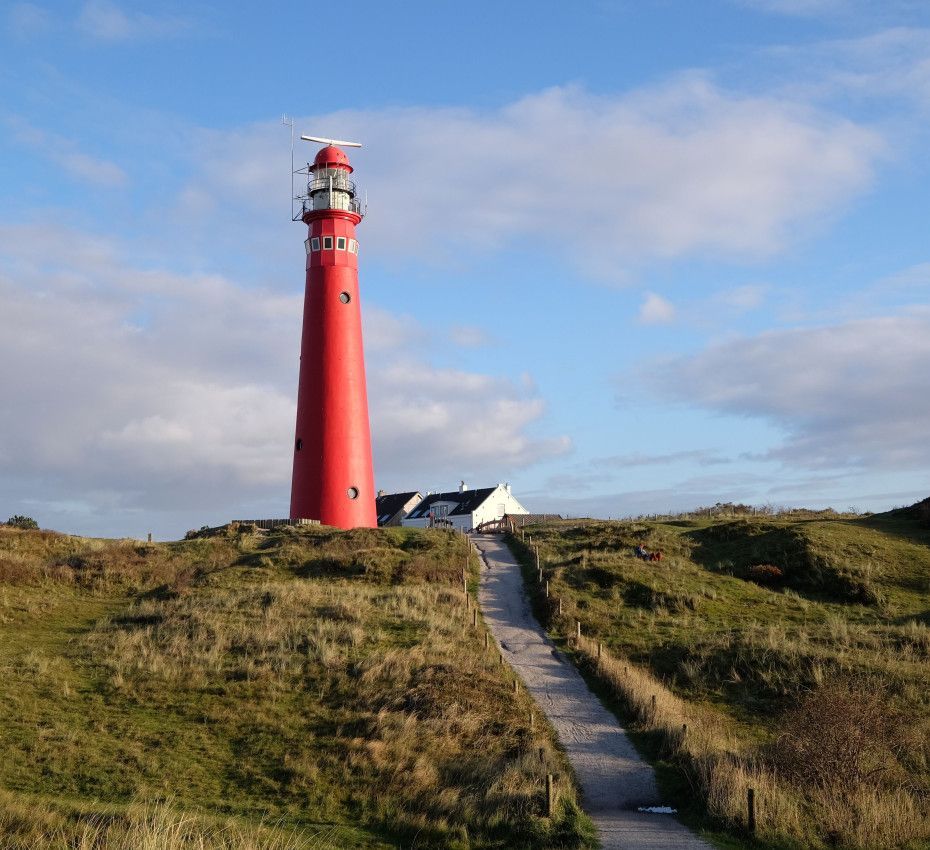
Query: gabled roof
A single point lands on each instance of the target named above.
(465, 502)
(387, 506)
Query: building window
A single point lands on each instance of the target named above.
(352, 492)
(327, 243)
(353, 246)
(315, 243)
(307, 245)
(340, 243)
(344, 297)
(299, 444)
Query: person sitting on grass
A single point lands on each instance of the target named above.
(641, 552)
(655, 556)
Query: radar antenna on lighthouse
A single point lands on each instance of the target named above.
(337, 142)
(332, 481)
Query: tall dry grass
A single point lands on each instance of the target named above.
(430, 723)
(30, 825)
(855, 815)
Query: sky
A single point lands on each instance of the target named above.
(631, 256)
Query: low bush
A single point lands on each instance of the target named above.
(24, 522)
(765, 573)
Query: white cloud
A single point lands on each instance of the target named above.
(667, 171)
(469, 336)
(64, 152)
(804, 8)
(888, 66)
(855, 395)
(106, 21)
(140, 392)
(656, 310)
(743, 298)
(445, 423)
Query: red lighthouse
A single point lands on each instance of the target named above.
(332, 480)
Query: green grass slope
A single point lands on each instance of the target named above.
(287, 689)
(800, 643)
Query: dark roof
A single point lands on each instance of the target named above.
(388, 505)
(465, 502)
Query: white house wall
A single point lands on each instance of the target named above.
(498, 503)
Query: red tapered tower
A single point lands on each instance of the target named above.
(333, 480)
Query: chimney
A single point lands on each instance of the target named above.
(380, 493)
(507, 486)
(462, 487)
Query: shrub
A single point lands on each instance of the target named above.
(844, 731)
(765, 573)
(19, 521)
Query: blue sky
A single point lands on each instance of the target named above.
(629, 256)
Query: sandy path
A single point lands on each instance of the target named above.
(614, 779)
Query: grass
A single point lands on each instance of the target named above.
(245, 689)
(809, 683)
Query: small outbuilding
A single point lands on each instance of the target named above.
(391, 508)
(464, 509)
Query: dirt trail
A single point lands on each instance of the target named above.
(614, 779)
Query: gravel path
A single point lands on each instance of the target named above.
(614, 779)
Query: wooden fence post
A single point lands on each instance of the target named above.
(474, 618)
(516, 685)
(578, 629)
(486, 640)
(599, 650)
(560, 606)
(547, 590)
(550, 795)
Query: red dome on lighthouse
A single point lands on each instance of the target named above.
(331, 157)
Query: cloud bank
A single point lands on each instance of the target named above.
(607, 181)
(141, 398)
(852, 396)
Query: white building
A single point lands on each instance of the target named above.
(464, 509)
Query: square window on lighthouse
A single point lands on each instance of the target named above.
(315, 243)
(340, 243)
(327, 243)
(353, 246)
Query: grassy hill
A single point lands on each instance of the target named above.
(247, 689)
(796, 648)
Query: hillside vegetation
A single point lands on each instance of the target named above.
(247, 689)
(788, 654)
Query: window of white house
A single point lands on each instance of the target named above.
(341, 243)
(327, 243)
